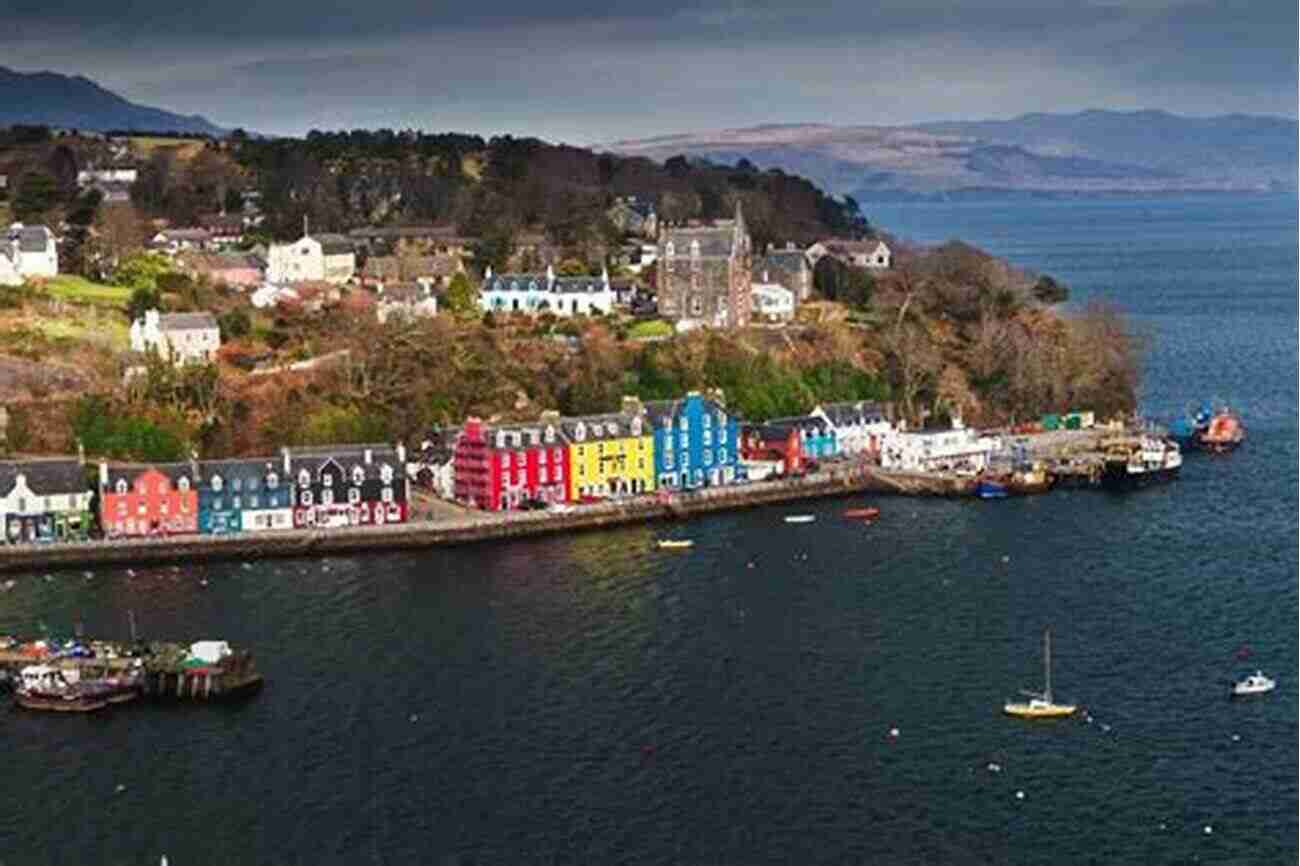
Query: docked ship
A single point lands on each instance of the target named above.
(47, 687)
(1141, 462)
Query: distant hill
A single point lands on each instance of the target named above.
(51, 99)
(1092, 151)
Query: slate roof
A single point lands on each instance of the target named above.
(538, 283)
(790, 260)
(46, 477)
(128, 472)
(347, 457)
(389, 267)
(334, 245)
(851, 412)
(186, 322)
(578, 285)
(715, 241)
(403, 293)
(611, 425)
(248, 467)
(187, 234)
(221, 261)
(800, 422)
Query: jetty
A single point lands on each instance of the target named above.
(170, 669)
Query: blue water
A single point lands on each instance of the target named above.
(592, 699)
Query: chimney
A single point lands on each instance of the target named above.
(789, 245)
(103, 476)
(770, 246)
(284, 460)
(401, 453)
(370, 456)
(81, 453)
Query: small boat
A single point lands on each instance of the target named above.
(799, 518)
(1255, 684)
(991, 488)
(1138, 464)
(675, 544)
(1222, 434)
(1029, 479)
(42, 687)
(869, 513)
(1041, 705)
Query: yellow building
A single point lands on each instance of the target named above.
(610, 454)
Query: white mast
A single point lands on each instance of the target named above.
(1047, 664)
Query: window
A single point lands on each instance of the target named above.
(708, 437)
(235, 502)
(236, 485)
(354, 495)
(306, 497)
(386, 473)
(253, 483)
(708, 458)
(722, 455)
(358, 475)
(273, 481)
(254, 502)
(387, 494)
(183, 485)
(668, 444)
(215, 483)
(121, 487)
(684, 441)
(327, 480)
(722, 434)
(304, 478)
(218, 504)
(550, 434)
(327, 497)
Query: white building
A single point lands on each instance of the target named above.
(121, 174)
(546, 293)
(861, 428)
(328, 258)
(959, 450)
(772, 302)
(33, 251)
(871, 254)
(406, 299)
(181, 337)
(172, 241)
(268, 295)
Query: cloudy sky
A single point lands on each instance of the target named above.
(586, 71)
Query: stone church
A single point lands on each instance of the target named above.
(705, 274)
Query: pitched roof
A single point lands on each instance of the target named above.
(128, 472)
(334, 244)
(715, 241)
(243, 467)
(390, 267)
(852, 412)
(611, 425)
(786, 259)
(220, 261)
(187, 234)
(346, 457)
(186, 322)
(403, 293)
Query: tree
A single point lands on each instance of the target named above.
(233, 202)
(37, 195)
(142, 300)
(461, 298)
(140, 270)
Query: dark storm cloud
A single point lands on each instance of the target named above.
(583, 70)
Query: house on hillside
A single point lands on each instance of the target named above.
(414, 240)
(331, 258)
(436, 269)
(173, 241)
(267, 296)
(112, 192)
(870, 254)
(772, 302)
(124, 173)
(788, 266)
(179, 337)
(237, 270)
(546, 293)
(45, 499)
(226, 229)
(634, 216)
(33, 251)
(959, 450)
(860, 426)
(705, 274)
(407, 300)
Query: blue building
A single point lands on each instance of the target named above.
(244, 495)
(819, 436)
(696, 441)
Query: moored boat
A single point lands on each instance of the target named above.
(992, 488)
(1040, 704)
(675, 544)
(44, 687)
(1029, 479)
(1148, 460)
(799, 518)
(869, 513)
(1222, 434)
(1255, 684)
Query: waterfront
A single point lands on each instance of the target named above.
(492, 704)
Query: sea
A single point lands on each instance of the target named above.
(818, 693)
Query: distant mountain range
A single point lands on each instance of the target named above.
(51, 99)
(1092, 151)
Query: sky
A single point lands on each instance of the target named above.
(592, 71)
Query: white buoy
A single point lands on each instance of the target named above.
(994, 767)
(1236, 738)
(1020, 795)
(1162, 825)
(893, 732)
(1208, 829)
(415, 717)
(163, 861)
(1006, 558)
(203, 582)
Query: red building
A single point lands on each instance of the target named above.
(774, 442)
(147, 500)
(499, 467)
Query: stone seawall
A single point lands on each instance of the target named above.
(839, 480)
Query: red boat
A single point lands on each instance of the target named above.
(862, 513)
(1224, 433)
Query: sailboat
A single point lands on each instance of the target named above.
(1041, 706)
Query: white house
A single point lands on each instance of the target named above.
(119, 174)
(860, 427)
(182, 337)
(871, 254)
(406, 299)
(330, 258)
(547, 293)
(43, 500)
(33, 250)
(958, 450)
(772, 302)
(172, 241)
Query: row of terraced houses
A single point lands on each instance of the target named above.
(659, 445)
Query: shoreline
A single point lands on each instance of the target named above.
(834, 481)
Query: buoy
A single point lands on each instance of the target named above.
(203, 582)
(994, 767)
(1208, 829)
(415, 717)
(1105, 727)
(1020, 795)
(893, 732)
(1236, 738)
(1162, 825)
(130, 572)
(121, 788)
(1006, 558)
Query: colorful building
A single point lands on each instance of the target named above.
(348, 485)
(772, 443)
(818, 435)
(144, 499)
(696, 443)
(244, 495)
(609, 455)
(499, 467)
(44, 500)
(860, 427)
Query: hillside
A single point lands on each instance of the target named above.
(1092, 151)
(51, 99)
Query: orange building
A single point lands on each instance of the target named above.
(156, 499)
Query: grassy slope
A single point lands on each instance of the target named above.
(81, 290)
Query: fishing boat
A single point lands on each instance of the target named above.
(1222, 434)
(1030, 478)
(1133, 464)
(799, 518)
(675, 543)
(42, 687)
(1255, 684)
(869, 513)
(1040, 705)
